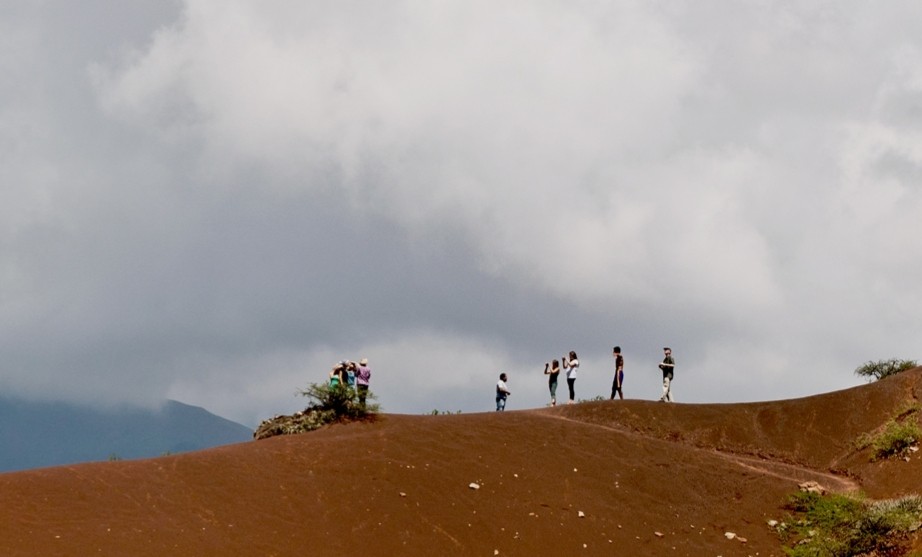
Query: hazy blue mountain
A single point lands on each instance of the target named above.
(39, 434)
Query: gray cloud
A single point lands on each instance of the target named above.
(214, 201)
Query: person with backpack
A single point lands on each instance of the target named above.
(619, 374)
(502, 392)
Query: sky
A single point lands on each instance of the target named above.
(214, 201)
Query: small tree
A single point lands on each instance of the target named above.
(884, 368)
(327, 405)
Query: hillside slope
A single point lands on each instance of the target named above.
(608, 478)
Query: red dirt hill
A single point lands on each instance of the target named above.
(606, 478)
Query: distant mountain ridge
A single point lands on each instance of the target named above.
(41, 434)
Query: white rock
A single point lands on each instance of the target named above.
(729, 535)
(581, 514)
(474, 486)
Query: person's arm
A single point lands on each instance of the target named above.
(546, 366)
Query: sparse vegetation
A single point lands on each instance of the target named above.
(437, 412)
(327, 405)
(843, 525)
(896, 439)
(884, 368)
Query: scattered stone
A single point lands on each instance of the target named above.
(658, 534)
(773, 523)
(741, 539)
(729, 535)
(812, 487)
(474, 485)
(581, 514)
(402, 494)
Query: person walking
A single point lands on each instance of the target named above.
(619, 374)
(571, 366)
(552, 370)
(668, 367)
(502, 392)
(362, 379)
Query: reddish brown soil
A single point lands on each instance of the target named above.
(606, 478)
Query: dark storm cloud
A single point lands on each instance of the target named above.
(215, 201)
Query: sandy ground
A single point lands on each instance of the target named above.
(605, 478)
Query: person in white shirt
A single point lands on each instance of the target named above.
(571, 367)
(501, 393)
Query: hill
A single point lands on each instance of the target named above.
(605, 478)
(40, 434)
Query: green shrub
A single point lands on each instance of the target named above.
(896, 439)
(327, 405)
(884, 368)
(843, 526)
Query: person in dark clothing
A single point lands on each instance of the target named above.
(619, 374)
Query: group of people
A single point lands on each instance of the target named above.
(355, 376)
(570, 365)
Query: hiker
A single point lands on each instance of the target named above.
(668, 367)
(350, 375)
(501, 393)
(337, 373)
(619, 374)
(362, 377)
(572, 366)
(552, 370)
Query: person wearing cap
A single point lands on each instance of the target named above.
(362, 377)
(337, 374)
(668, 367)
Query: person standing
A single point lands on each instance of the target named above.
(668, 367)
(501, 393)
(337, 374)
(552, 370)
(619, 374)
(362, 378)
(572, 366)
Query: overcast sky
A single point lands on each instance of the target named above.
(215, 200)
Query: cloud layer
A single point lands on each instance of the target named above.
(214, 201)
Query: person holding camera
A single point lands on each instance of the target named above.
(571, 366)
(552, 370)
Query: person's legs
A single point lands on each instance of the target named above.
(552, 385)
(363, 393)
(500, 404)
(667, 391)
(571, 384)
